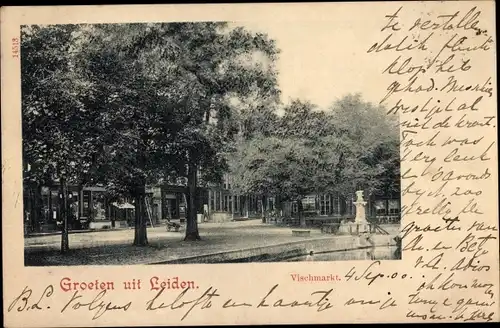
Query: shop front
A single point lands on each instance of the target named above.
(90, 208)
(95, 209)
(43, 211)
(174, 201)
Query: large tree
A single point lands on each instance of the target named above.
(57, 129)
(278, 159)
(219, 63)
(165, 92)
(142, 101)
(367, 144)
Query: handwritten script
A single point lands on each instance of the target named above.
(187, 301)
(443, 98)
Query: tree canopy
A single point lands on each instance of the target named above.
(350, 146)
(57, 129)
(134, 104)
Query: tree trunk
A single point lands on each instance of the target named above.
(140, 236)
(300, 208)
(192, 202)
(64, 214)
(112, 216)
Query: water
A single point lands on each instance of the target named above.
(371, 254)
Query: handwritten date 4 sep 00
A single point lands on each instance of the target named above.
(369, 274)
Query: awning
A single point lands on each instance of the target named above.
(123, 206)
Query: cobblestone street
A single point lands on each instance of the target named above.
(115, 247)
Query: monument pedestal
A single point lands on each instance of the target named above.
(360, 224)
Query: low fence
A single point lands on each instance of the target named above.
(319, 221)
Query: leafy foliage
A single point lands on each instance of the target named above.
(351, 146)
(136, 104)
(57, 132)
(370, 146)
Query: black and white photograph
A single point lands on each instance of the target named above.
(249, 164)
(203, 142)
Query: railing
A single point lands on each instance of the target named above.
(378, 229)
(319, 221)
(385, 219)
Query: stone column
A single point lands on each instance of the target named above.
(361, 223)
(360, 207)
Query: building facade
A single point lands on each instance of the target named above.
(90, 208)
(227, 204)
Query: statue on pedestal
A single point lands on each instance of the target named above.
(360, 208)
(360, 224)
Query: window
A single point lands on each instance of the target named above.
(212, 200)
(226, 182)
(325, 204)
(74, 204)
(98, 206)
(336, 205)
(236, 204)
(271, 204)
(217, 201)
(393, 207)
(309, 203)
(251, 203)
(295, 207)
(380, 207)
(226, 203)
(86, 203)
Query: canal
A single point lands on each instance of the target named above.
(372, 254)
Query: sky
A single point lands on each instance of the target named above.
(321, 61)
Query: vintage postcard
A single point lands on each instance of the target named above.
(221, 164)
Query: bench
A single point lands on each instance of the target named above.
(100, 225)
(173, 226)
(301, 232)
